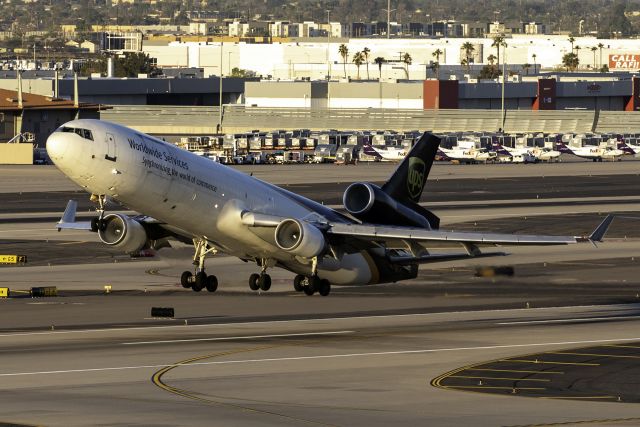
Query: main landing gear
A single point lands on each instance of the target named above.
(260, 281)
(200, 280)
(311, 285)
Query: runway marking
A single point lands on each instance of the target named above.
(337, 356)
(540, 362)
(248, 337)
(576, 319)
(515, 370)
(578, 397)
(496, 388)
(598, 355)
(499, 378)
(330, 319)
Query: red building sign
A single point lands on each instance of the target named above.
(624, 61)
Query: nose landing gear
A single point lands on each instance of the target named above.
(200, 280)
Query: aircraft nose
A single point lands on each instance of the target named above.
(56, 146)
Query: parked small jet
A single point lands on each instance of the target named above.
(597, 154)
(182, 196)
(468, 155)
(390, 154)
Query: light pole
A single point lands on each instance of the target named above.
(328, 35)
(388, 10)
(504, 76)
(220, 90)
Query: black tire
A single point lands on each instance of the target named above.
(297, 283)
(253, 282)
(325, 287)
(264, 282)
(309, 290)
(185, 279)
(212, 283)
(200, 282)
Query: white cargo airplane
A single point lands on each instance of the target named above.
(189, 198)
(468, 155)
(389, 153)
(595, 153)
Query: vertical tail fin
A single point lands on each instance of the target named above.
(407, 182)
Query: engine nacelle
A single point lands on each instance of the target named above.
(122, 232)
(300, 238)
(369, 203)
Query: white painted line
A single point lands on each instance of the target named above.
(250, 337)
(330, 319)
(327, 356)
(574, 320)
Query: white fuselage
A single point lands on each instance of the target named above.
(391, 154)
(591, 152)
(193, 195)
(469, 154)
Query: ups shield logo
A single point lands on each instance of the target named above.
(415, 177)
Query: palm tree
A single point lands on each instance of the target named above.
(570, 60)
(436, 65)
(571, 40)
(406, 58)
(468, 50)
(465, 63)
(593, 49)
(437, 54)
(358, 59)
(365, 53)
(497, 42)
(491, 58)
(526, 67)
(344, 52)
(534, 56)
(379, 60)
(600, 46)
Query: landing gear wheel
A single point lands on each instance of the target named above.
(325, 287)
(200, 282)
(253, 282)
(312, 286)
(298, 283)
(264, 282)
(212, 283)
(185, 279)
(309, 290)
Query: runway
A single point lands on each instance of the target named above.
(409, 353)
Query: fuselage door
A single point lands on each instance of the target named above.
(110, 142)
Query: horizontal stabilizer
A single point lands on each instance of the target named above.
(68, 220)
(601, 230)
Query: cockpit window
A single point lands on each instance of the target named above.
(84, 133)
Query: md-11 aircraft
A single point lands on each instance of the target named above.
(389, 153)
(383, 237)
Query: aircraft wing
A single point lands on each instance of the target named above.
(392, 235)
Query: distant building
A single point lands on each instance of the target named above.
(120, 42)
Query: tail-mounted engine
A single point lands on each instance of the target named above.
(300, 238)
(122, 232)
(370, 203)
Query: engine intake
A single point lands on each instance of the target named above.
(369, 203)
(122, 232)
(299, 238)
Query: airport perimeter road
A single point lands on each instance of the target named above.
(362, 371)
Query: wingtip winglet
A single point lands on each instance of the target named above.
(601, 229)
